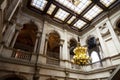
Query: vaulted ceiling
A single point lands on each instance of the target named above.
(77, 14)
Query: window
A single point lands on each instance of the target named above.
(61, 14)
(107, 2)
(71, 19)
(93, 12)
(40, 4)
(51, 9)
(77, 8)
(79, 24)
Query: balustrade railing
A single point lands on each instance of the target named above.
(19, 54)
(15, 54)
(53, 58)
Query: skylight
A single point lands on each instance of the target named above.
(71, 19)
(93, 12)
(107, 2)
(61, 14)
(51, 9)
(40, 4)
(79, 24)
(77, 8)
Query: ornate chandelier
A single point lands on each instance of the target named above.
(80, 58)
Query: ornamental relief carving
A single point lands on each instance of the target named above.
(103, 30)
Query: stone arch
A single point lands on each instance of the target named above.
(118, 24)
(53, 47)
(54, 31)
(13, 77)
(91, 42)
(73, 44)
(92, 45)
(27, 37)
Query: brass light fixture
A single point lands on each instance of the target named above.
(80, 58)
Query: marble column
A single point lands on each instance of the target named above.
(104, 48)
(65, 50)
(9, 34)
(61, 49)
(15, 37)
(45, 45)
(102, 42)
(113, 35)
(36, 42)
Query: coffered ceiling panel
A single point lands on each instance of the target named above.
(76, 14)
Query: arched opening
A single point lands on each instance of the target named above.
(25, 42)
(94, 56)
(94, 51)
(13, 77)
(118, 24)
(73, 44)
(26, 38)
(91, 42)
(53, 48)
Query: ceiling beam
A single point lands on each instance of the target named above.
(87, 9)
(47, 6)
(69, 11)
(54, 12)
(65, 21)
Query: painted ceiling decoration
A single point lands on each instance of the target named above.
(77, 14)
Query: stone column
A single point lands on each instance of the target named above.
(17, 30)
(104, 48)
(65, 50)
(9, 34)
(68, 47)
(114, 36)
(61, 48)
(36, 42)
(45, 45)
(105, 51)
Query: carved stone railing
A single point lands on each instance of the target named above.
(19, 54)
(53, 61)
(53, 58)
(15, 54)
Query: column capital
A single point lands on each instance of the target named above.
(68, 44)
(46, 37)
(61, 42)
(38, 35)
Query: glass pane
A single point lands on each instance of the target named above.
(51, 9)
(93, 12)
(71, 19)
(40, 4)
(79, 24)
(78, 6)
(61, 14)
(107, 2)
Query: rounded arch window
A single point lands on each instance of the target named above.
(73, 44)
(91, 42)
(53, 48)
(26, 37)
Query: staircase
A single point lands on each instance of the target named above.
(116, 74)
